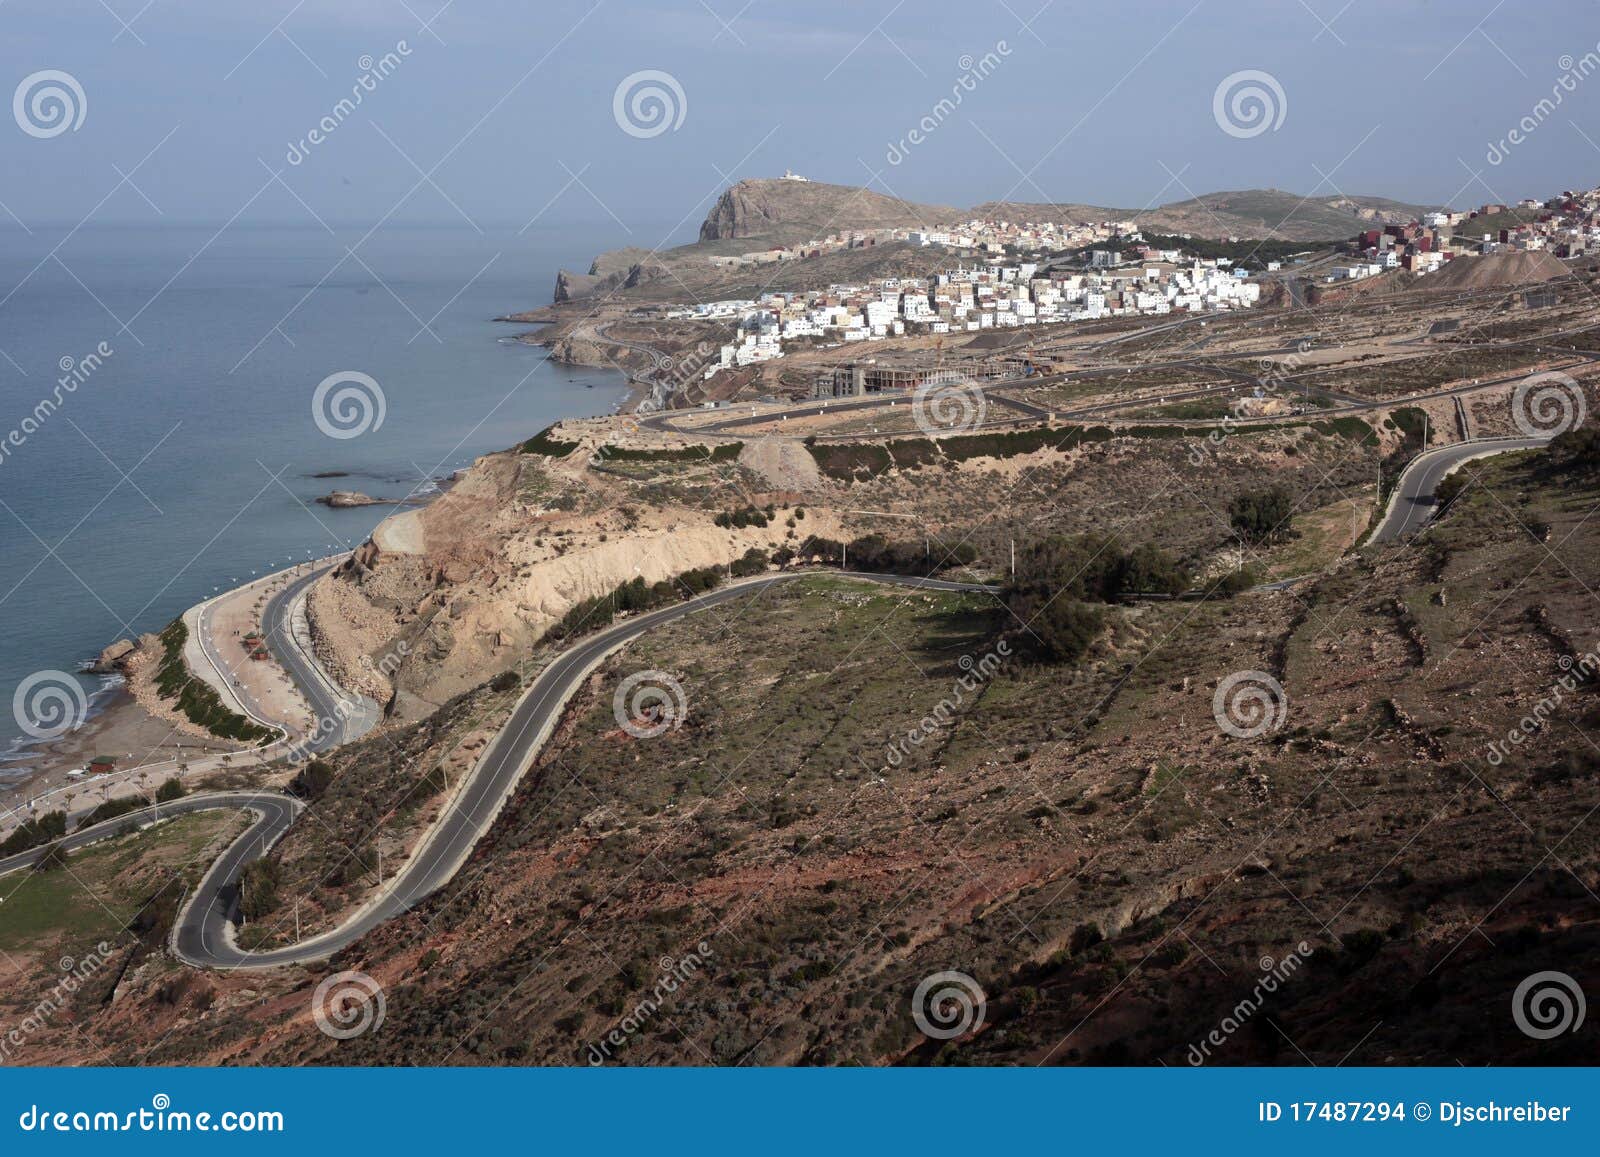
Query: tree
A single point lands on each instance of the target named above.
(312, 780)
(169, 791)
(1577, 449)
(258, 889)
(1262, 515)
(1064, 630)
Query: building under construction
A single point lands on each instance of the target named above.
(858, 379)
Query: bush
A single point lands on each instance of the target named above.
(170, 790)
(635, 595)
(311, 781)
(1262, 515)
(749, 516)
(110, 810)
(1063, 630)
(197, 699)
(752, 562)
(258, 889)
(543, 443)
(1577, 450)
(33, 833)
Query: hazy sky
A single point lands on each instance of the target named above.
(501, 112)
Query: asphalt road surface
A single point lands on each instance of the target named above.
(274, 813)
(340, 718)
(203, 936)
(1412, 505)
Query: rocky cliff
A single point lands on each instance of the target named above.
(785, 211)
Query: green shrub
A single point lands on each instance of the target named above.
(35, 832)
(311, 781)
(197, 699)
(543, 443)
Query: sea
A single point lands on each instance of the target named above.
(169, 396)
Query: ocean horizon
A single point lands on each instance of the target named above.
(160, 427)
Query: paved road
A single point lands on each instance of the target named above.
(1412, 506)
(203, 935)
(341, 716)
(274, 813)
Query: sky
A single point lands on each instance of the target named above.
(494, 113)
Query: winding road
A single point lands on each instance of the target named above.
(203, 935)
(1412, 505)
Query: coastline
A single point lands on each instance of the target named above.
(118, 725)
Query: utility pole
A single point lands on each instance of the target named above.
(1013, 560)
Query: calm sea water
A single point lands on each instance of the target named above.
(184, 463)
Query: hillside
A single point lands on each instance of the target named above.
(1087, 842)
(1248, 213)
(774, 212)
(1497, 269)
(782, 212)
(786, 212)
